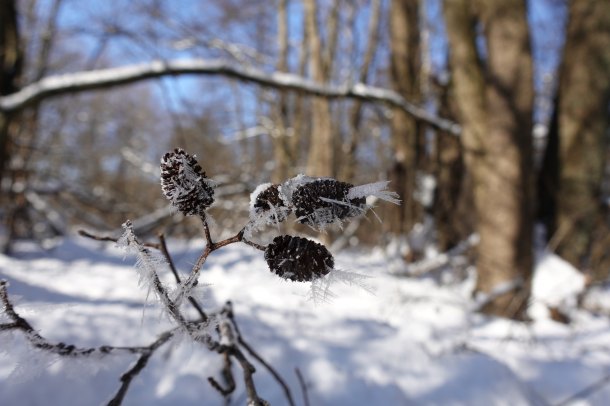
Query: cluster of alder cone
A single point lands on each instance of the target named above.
(316, 202)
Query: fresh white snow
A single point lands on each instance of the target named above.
(411, 342)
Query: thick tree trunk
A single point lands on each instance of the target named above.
(321, 150)
(11, 58)
(495, 103)
(280, 138)
(506, 226)
(583, 122)
(452, 208)
(405, 74)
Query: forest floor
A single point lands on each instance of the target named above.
(412, 341)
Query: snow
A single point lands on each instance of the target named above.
(556, 284)
(412, 341)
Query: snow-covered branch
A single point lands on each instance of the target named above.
(104, 78)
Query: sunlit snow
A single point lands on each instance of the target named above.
(412, 341)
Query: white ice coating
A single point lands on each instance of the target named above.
(189, 180)
(147, 261)
(320, 291)
(323, 217)
(260, 218)
(377, 189)
(287, 188)
(254, 195)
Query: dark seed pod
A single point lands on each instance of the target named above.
(298, 259)
(268, 200)
(185, 184)
(324, 201)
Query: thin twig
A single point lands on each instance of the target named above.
(128, 376)
(170, 261)
(168, 257)
(227, 375)
(303, 386)
(62, 349)
(248, 370)
(87, 234)
(260, 359)
(586, 392)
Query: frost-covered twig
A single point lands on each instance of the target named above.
(317, 202)
(147, 264)
(106, 238)
(228, 347)
(128, 376)
(261, 360)
(61, 349)
(172, 267)
(103, 78)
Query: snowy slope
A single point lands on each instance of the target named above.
(411, 342)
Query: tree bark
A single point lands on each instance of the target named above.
(11, 60)
(280, 138)
(453, 204)
(583, 119)
(350, 147)
(405, 74)
(321, 150)
(495, 103)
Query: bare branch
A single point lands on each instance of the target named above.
(104, 78)
(62, 349)
(586, 392)
(172, 266)
(106, 238)
(128, 376)
(303, 386)
(260, 359)
(227, 375)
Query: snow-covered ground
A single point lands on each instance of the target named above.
(412, 341)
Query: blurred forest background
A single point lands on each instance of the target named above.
(490, 118)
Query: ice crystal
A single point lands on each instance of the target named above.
(267, 207)
(147, 263)
(378, 189)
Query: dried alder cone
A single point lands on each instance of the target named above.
(325, 201)
(317, 202)
(298, 259)
(267, 203)
(185, 184)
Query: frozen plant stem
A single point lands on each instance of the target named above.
(172, 267)
(210, 247)
(318, 202)
(62, 349)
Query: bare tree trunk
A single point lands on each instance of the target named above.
(506, 227)
(321, 150)
(405, 74)
(281, 138)
(11, 59)
(355, 114)
(583, 120)
(452, 201)
(495, 105)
